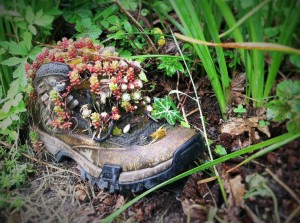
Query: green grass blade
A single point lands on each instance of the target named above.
(288, 137)
(244, 18)
(190, 21)
(211, 24)
(231, 22)
(290, 25)
(255, 74)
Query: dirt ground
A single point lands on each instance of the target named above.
(56, 193)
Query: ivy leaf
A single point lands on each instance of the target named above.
(165, 108)
(12, 61)
(170, 65)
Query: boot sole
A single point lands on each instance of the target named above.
(111, 176)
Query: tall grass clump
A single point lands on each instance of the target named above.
(191, 21)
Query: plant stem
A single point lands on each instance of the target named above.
(151, 44)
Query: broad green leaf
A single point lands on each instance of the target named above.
(170, 65)
(114, 20)
(83, 25)
(105, 24)
(94, 32)
(143, 76)
(54, 12)
(13, 89)
(44, 20)
(27, 37)
(295, 59)
(29, 15)
(163, 6)
(36, 50)
(279, 109)
(4, 44)
(129, 4)
(32, 29)
(12, 61)
(22, 25)
(18, 48)
(288, 89)
(127, 26)
(19, 74)
(107, 12)
(4, 124)
(20, 107)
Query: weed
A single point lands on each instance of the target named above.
(287, 105)
(263, 123)
(220, 150)
(170, 65)
(165, 108)
(240, 110)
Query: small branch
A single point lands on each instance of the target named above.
(281, 183)
(152, 46)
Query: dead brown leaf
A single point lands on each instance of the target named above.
(238, 88)
(80, 195)
(237, 190)
(238, 126)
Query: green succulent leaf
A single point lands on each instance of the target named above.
(165, 108)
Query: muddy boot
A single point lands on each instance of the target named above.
(117, 151)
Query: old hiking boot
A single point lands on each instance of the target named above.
(82, 113)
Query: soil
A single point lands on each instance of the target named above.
(57, 194)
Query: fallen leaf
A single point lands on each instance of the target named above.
(238, 126)
(159, 133)
(237, 190)
(80, 195)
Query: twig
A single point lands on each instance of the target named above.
(192, 112)
(178, 97)
(48, 164)
(295, 212)
(286, 187)
(152, 46)
(5, 144)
